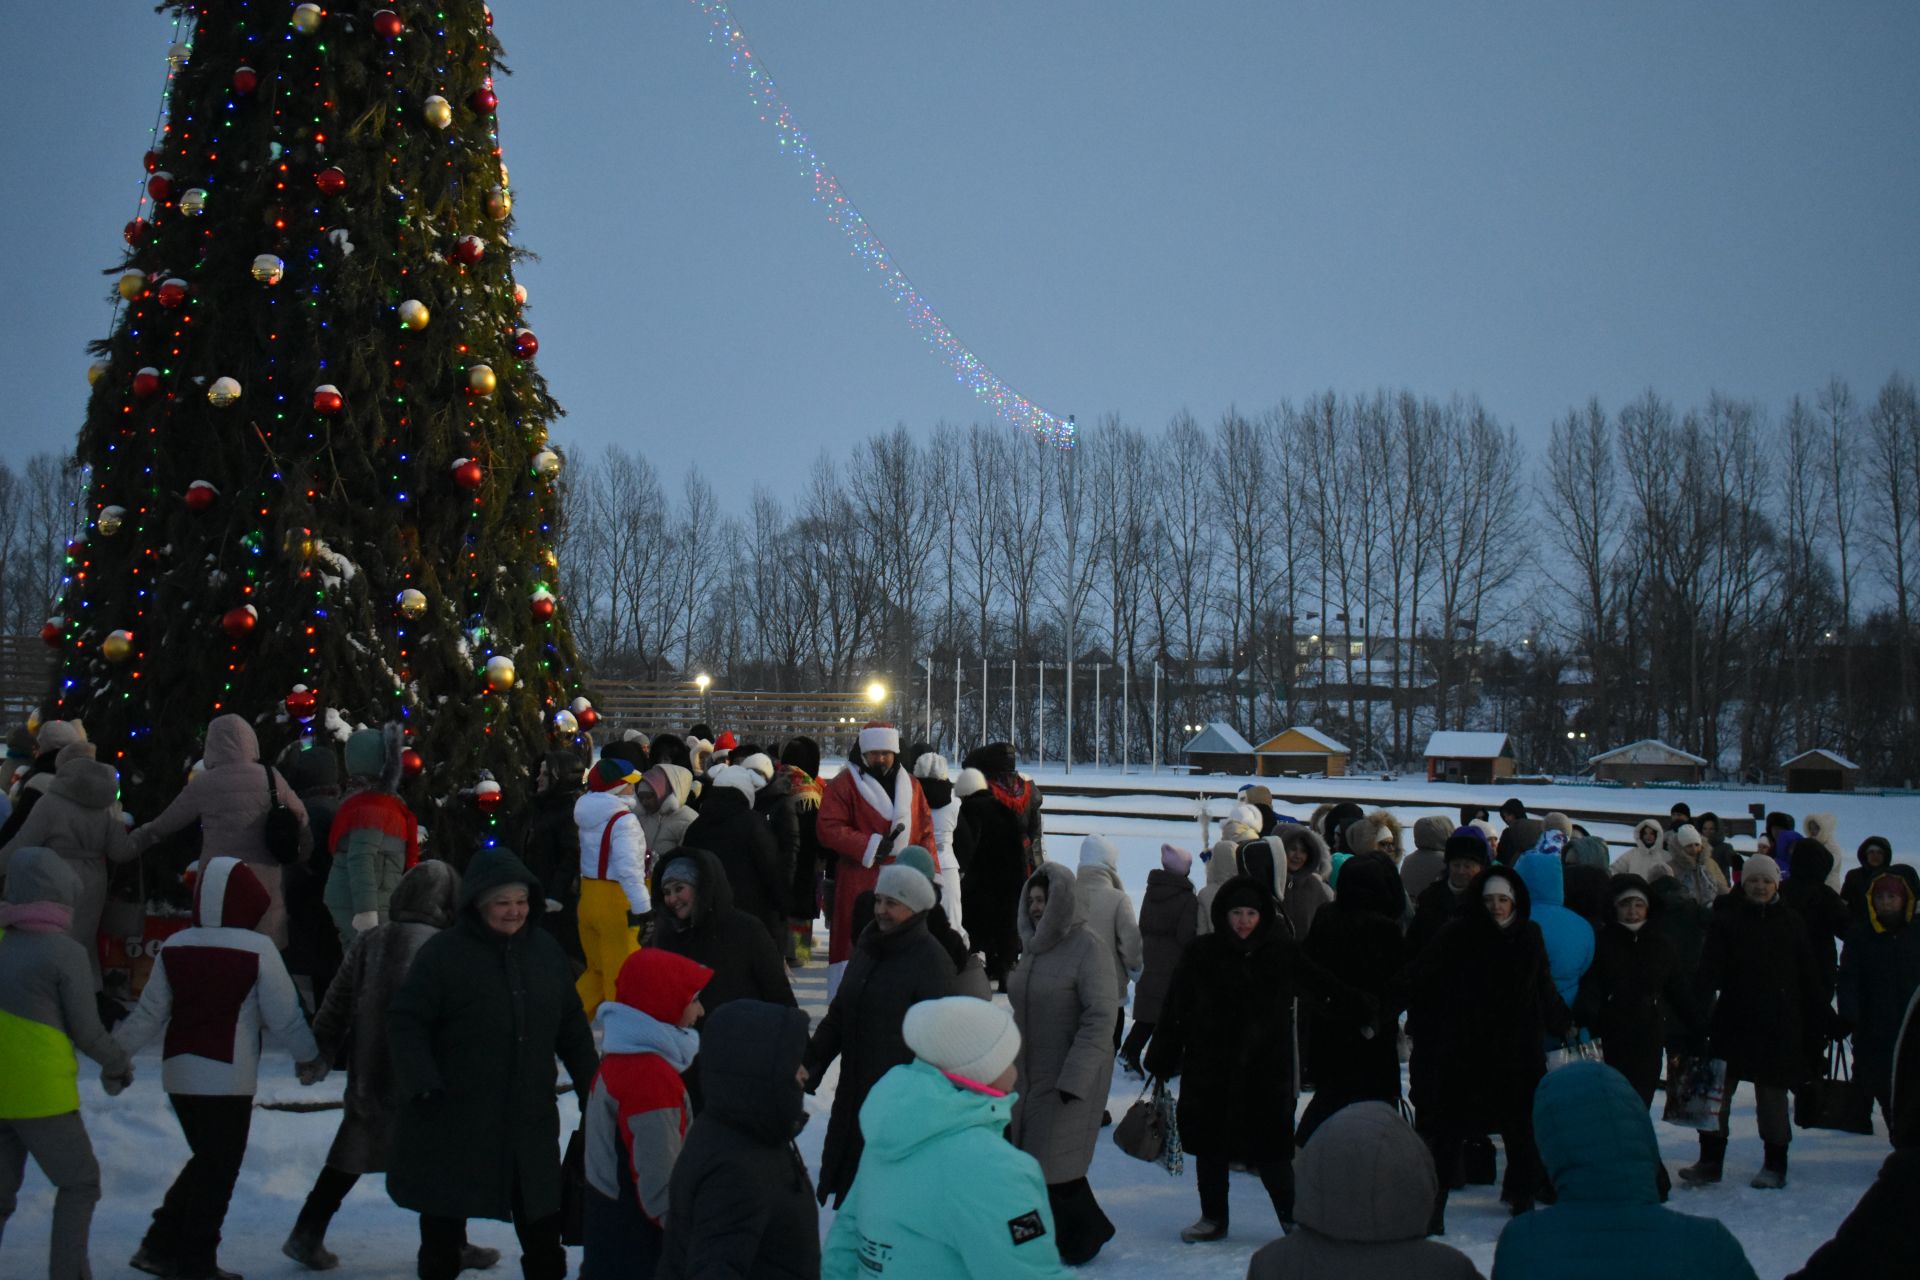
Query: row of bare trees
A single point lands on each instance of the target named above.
(37, 518)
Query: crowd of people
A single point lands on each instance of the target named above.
(637, 928)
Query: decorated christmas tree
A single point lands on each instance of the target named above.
(318, 485)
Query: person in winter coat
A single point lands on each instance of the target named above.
(611, 854)
(1365, 1187)
(1468, 854)
(937, 785)
(1382, 834)
(230, 801)
(990, 846)
(1719, 848)
(1482, 1004)
(871, 809)
(1646, 856)
(1568, 938)
(698, 920)
(1227, 1030)
(1688, 862)
(1358, 937)
(549, 845)
(1585, 864)
(1237, 831)
(938, 1121)
(740, 1202)
(31, 782)
(1103, 906)
(1308, 866)
(664, 797)
(1877, 1237)
(896, 964)
(1879, 972)
(354, 1017)
(1017, 795)
(1825, 829)
(1521, 835)
(799, 770)
(1332, 827)
(1167, 925)
(744, 843)
(375, 837)
(472, 1033)
(78, 817)
(1064, 997)
(47, 1012)
(1635, 991)
(1597, 1143)
(1819, 907)
(214, 988)
(1875, 856)
(1428, 861)
(311, 767)
(1780, 838)
(636, 1116)
(970, 971)
(1768, 1018)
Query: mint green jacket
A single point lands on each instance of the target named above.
(990, 1220)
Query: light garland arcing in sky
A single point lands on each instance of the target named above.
(968, 368)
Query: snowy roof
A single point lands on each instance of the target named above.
(1220, 738)
(1834, 756)
(1455, 744)
(1314, 735)
(1647, 751)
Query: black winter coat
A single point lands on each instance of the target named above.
(744, 843)
(1168, 922)
(1630, 998)
(550, 846)
(1483, 1004)
(1357, 936)
(740, 1203)
(1770, 1020)
(888, 974)
(1822, 911)
(1878, 976)
(473, 1033)
(720, 936)
(1436, 905)
(990, 846)
(1226, 1030)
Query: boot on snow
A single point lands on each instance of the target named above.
(1706, 1170)
(1773, 1173)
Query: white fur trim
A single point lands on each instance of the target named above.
(880, 738)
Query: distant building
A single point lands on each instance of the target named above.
(1301, 750)
(1648, 760)
(1454, 755)
(1219, 748)
(1820, 770)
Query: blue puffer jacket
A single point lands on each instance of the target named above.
(1597, 1143)
(1568, 936)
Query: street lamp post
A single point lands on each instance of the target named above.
(703, 680)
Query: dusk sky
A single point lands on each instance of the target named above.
(1120, 205)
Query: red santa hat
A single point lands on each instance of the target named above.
(878, 735)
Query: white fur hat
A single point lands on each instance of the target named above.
(745, 781)
(1247, 816)
(932, 765)
(759, 763)
(878, 735)
(970, 782)
(974, 1039)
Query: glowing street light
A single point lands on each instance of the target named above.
(876, 693)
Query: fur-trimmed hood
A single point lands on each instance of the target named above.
(1057, 921)
(1319, 859)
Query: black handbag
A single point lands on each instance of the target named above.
(1142, 1132)
(1837, 1102)
(282, 836)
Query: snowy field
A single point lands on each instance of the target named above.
(140, 1147)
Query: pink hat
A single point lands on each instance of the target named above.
(1176, 859)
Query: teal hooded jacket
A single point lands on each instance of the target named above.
(1597, 1143)
(991, 1220)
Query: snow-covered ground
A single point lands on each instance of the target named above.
(140, 1147)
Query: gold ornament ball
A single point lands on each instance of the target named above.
(546, 463)
(111, 520)
(499, 203)
(480, 380)
(565, 722)
(438, 111)
(307, 18)
(224, 393)
(504, 180)
(267, 269)
(549, 561)
(132, 285)
(194, 202)
(414, 315)
(96, 371)
(412, 602)
(177, 55)
(500, 673)
(117, 647)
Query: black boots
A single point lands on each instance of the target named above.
(1713, 1154)
(1773, 1173)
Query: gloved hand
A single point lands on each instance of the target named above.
(116, 1085)
(885, 847)
(364, 920)
(313, 1072)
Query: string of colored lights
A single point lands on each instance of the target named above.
(793, 141)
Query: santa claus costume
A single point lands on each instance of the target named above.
(859, 811)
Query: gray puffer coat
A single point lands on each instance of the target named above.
(355, 1010)
(1064, 1002)
(78, 817)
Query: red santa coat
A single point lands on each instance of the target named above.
(855, 816)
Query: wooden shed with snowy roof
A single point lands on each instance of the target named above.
(1648, 760)
(1456, 755)
(1820, 770)
(1219, 748)
(1301, 750)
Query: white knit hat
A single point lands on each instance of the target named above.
(759, 763)
(963, 1036)
(1760, 867)
(1497, 883)
(903, 883)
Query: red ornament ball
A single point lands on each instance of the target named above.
(303, 704)
(160, 185)
(53, 631)
(412, 763)
(76, 548)
(239, 622)
(389, 24)
(146, 382)
(245, 80)
(151, 161)
(136, 231)
(331, 180)
(542, 607)
(469, 474)
(172, 292)
(200, 496)
(587, 718)
(483, 101)
(327, 399)
(525, 344)
(469, 249)
(488, 797)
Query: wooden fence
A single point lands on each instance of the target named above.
(756, 715)
(26, 674)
